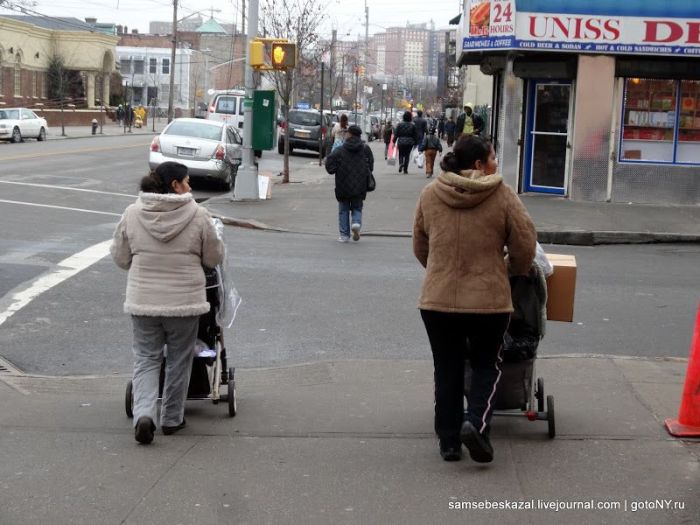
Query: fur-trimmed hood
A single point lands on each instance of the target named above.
(466, 189)
(165, 215)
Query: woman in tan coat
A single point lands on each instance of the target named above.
(464, 220)
(163, 239)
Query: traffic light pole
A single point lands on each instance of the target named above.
(247, 178)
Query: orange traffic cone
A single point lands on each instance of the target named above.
(688, 422)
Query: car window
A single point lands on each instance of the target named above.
(225, 104)
(12, 114)
(241, 107)
(238, 138)
(304, 118)
(26, 114)
(194, 129)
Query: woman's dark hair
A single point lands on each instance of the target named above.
(465, 153)
(407, 116)
(160, 180)
(343, 120)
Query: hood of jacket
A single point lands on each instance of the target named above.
(353, 144)
(165, 215)
(466, 189)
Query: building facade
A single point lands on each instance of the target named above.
(594, 100)
(27, 46)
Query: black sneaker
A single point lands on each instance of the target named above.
(171, 430)
(450, 450)
(479, 445)
(144, 430)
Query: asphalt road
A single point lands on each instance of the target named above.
(306, 297)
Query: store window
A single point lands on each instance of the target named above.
(661, 121)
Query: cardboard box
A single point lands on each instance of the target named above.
(561, 288)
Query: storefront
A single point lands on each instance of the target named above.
(595, 100)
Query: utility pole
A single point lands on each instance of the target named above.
(243, 17)
(246, 187)
(331, 69)
(171, 91)
(321, 138)
(365, 109)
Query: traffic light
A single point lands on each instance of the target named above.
(284, 55)
(257, 54)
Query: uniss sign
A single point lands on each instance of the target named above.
(607, 33)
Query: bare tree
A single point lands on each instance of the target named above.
(297, 21)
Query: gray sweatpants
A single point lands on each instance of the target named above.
(151, 334)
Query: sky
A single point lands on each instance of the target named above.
(347, 16)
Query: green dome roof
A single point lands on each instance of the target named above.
(211, 26)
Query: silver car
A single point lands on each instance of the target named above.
(16, 124)
(211, 150)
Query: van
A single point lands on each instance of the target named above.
(227, 106)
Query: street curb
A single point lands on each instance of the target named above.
(571, 238)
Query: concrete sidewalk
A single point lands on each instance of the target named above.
(110, 129)
(308, 206)
(346, 442)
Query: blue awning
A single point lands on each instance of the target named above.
(639, 8)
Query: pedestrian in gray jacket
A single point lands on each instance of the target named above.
(163, 239)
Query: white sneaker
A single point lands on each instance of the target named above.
(343, 238)
(355, 232)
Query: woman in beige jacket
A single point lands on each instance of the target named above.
(464, 220)
(163, 239)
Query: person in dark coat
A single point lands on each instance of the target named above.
(351, 164)
(406, 137)
(421, 126)
(431, 145)
(450, 128)
(387, 137)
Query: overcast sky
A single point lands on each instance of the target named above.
(345, 15)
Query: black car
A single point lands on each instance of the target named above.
(304, 128)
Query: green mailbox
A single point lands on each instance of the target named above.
(264, 120)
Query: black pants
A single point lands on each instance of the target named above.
(404, 156)
(453, 339)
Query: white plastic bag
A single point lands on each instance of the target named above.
(542, 261)
(229, 298)
(420, 160)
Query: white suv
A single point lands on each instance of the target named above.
(19, 123)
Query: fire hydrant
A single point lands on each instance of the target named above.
(94, 126)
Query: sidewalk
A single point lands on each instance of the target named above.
(109, 129)
(309, 206)
(345, 442)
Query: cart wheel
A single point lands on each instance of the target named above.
(129, 399)
(232, 405)
(539, 394)
(550, 416)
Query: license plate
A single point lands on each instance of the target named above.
(302, 132)
(186, 152)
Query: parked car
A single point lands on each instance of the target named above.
(201, 110)
(211, 150)
(304, 129)
(16, 124)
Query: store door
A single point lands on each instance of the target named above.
(547, 140)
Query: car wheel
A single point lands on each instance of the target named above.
(42, 135)
(16, 135)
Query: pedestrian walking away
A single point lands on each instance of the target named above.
(450, 128)
(431, 145)
(463, 221)
(163, 240)
(387, 133)
(421, 126)
(339, 132)
(352, 164)
(406, 137)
